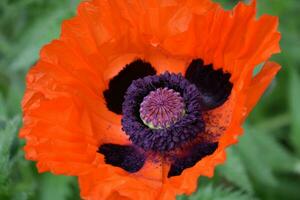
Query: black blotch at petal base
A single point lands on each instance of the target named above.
(196, 153)
(118, 85)
(126, 157)
(214, 85)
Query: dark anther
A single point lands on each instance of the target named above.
(124, 156)
(114, 95)
(187, 124)
(197, 152)
(214, 85)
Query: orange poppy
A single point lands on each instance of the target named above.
(139, 98)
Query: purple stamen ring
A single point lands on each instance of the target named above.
(162, 112)
(162, 108)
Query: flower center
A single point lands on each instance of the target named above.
(162, 108)
(157, 118)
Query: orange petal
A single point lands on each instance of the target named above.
(260, 83)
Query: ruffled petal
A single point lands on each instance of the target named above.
(65, 118)
(259, 84)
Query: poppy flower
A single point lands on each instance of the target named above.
(138, 98)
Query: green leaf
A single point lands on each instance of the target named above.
(17, 180)
(37, 36)
(75, 193)
(14, 96)
(275, 156)
(254, 159)
(3, 110)
(210, 192)
(8, 131)
(294, 95)
(29, 25)
(55, 187)
(288, 189)
(235, 171)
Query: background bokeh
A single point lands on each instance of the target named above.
(264, 165)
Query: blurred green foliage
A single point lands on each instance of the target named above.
(265, 164)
